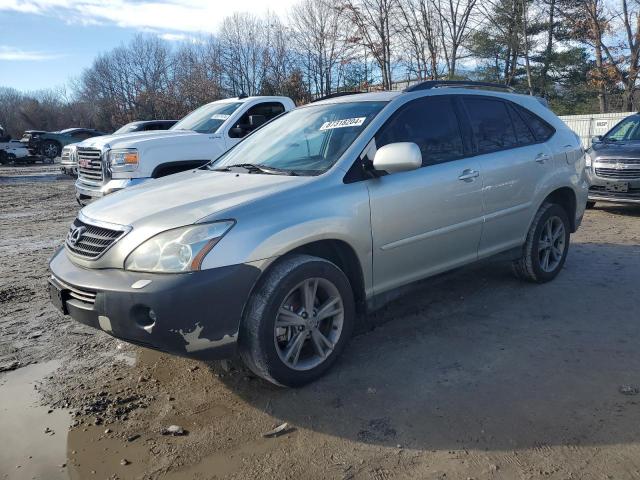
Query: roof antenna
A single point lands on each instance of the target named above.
(242, 95)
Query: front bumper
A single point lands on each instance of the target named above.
(604, 189)
(195, 314)
(86, 193)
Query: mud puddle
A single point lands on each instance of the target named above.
(34, 442)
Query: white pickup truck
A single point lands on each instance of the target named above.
(113, 162)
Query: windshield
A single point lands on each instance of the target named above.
(208, 118)
(627, 129)
(307, 140)
(129, 127)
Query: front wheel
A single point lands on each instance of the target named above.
(546, 247)
(298, 321)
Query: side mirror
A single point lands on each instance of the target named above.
(256, 120)
(237, 132)
(398, 157)
(596, 139)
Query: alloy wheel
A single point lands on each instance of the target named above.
(551, 245)
(309, 324)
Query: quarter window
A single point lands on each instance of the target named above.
(491, 124)
(525, 137)
(541, 129)
(431, 123)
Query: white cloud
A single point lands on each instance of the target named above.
(192, 16)
(16, 54)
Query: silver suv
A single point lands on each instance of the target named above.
(274, 249)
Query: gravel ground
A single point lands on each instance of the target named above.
(471, 375)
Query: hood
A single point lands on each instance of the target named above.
(622, 149)
(187, 197)
(139, 139)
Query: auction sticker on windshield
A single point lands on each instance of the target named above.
(347, 122)
(219, 116)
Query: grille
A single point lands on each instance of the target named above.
(624, 161)
(621, 173)
(91, 241)
(90, 166)
(86, 296)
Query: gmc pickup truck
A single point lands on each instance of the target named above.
(113, 162)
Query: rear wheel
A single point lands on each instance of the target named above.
(50, 149)
(298, 321)
(4, 158)
(546, 247)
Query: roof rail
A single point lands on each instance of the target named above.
(334, 95)
(429, 84)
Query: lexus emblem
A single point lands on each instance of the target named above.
(75, 235)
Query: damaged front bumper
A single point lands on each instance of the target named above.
(194, 314)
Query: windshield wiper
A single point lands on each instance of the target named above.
(254, 167)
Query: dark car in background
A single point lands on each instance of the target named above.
(613, 164)
(49, 144)
(146, 125)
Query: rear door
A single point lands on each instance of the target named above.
(513, 164)
(427, 220)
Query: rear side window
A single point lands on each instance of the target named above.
(541, 129)
(491, 124)
(431, 123)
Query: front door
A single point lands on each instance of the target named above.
(427, 220)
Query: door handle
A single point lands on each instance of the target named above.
(542, 158)
(469, 175)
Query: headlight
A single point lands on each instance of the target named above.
(123, 159)
(178, 250)
(587, 160)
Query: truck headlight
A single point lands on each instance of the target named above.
(123, 159)
(587, 160)
(178, 250)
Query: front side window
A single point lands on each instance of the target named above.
(305, 141)
(431, 123)
(491, 124)
(627, 130)
(208, 118)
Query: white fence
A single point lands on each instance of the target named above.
(587, 126)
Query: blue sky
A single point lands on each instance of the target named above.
(45, 43)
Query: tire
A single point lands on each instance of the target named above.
(590, 205)
(50, 149)
(531, 265)
(4, 158)
(264, 348)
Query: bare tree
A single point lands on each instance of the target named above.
(420, 32)
(457, 19)
(376, 31)
(318, 34)
(242, 37)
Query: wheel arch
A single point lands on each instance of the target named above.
(169, 168)
(566, 198)
(337, 252)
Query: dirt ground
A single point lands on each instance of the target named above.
(473, 375)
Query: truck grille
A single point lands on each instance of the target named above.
(622, 173)
(86, 296)
(90, 241)
(90, 166)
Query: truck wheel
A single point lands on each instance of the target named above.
(4, 158)
(50, 149)
(297, 321)
(546, 247)
(591, 205)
